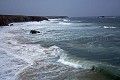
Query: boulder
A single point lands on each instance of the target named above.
(34, 32)
(11, 24)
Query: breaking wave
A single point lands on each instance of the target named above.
(64, 23)
(75, 62)
(109, 27)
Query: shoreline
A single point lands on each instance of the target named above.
(5, 20)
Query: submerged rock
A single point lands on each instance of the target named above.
(34, 32)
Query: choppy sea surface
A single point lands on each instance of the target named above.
(65, 49)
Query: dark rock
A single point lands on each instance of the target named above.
(34, 32)
(101, 17)
(7, 19)
(93, 68)
(11, 24)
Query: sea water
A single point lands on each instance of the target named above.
(85, 48)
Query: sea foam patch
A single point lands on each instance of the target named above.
(109, 27)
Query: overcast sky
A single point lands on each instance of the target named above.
(61, 7)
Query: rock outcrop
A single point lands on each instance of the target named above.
(34, 32)
(7, 19)
(10, 24)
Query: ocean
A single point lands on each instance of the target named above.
(77, 48)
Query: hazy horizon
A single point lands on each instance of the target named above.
(76, 8)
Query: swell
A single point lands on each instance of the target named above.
(105, 69)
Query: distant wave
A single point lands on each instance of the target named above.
(64, 23)
(76, 21)
(66, 20)
(108, 27)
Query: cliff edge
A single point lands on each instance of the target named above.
(6, 19)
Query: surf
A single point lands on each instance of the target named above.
(55, 61)
(108, 70)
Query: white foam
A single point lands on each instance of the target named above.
(26, 52)
(31, 52)
(76, 63)
(64, 23)
(70, 63)
(107, 27)
(66, 20)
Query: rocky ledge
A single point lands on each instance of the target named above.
(7, 19)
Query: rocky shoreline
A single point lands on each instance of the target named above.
(5, 20)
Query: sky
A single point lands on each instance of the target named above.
(72, 8)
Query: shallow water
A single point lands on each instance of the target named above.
(64, 50)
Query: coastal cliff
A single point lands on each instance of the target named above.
(6, 19)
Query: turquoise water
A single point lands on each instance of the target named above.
(66, 49)
(90, 38)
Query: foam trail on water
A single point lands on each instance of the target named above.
(109, 27)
